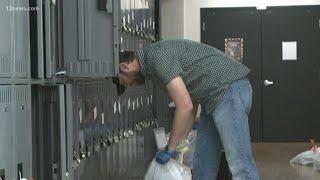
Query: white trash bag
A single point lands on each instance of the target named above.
(306, 158)
(188, 156)
(170, 171)
(186, 148)
(316, 163)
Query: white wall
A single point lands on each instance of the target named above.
(172, 19)
(192, 10)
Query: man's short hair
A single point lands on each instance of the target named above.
(127, 56)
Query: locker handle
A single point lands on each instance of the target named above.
(267, 82)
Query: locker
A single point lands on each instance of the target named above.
(75, 137)
(90, 122)
(123, 20)
(6, 43)
(91, 51)
(21, 39)
(15, 44)
(48, 161)
(80, 40)
(7, 165)
(23, 131)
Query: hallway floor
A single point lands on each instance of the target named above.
(273, 161)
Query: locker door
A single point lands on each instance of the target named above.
(47, 136)
(90, 38)
(49, 22)
(21, 40)
(23, 139)
(6, 133)
(291, 94)
(6, 42)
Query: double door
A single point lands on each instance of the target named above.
(281, 47)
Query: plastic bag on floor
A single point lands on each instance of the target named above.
(316, 163)
(171, 171)
(307, 158)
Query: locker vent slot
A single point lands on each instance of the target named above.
(5, 95)
(49, 95)
(21, 66)
(21, 94)
(5, 66)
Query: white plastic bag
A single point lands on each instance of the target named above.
(170, 171)
(316, 163)
(186, 149)
(188, 156)
(305, 158)
(308, 158)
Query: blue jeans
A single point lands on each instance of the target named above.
(227, 128)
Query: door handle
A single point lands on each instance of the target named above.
(267, 82)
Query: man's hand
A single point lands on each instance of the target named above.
(183, 118)
(163, 156)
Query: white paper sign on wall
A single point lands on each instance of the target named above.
(289, 51)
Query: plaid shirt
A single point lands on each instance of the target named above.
(206, 71)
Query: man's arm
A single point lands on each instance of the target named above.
(194, 119)
(184, 116)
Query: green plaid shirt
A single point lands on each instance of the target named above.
(206, 71)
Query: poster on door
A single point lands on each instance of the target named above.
(234, 48)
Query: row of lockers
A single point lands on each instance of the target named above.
(106, 136)
(118, 134)
(76, 38)
(138, 23)
(81, 128)
(90, 43)
(103, 131)
(15, 131)
(139, 15)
